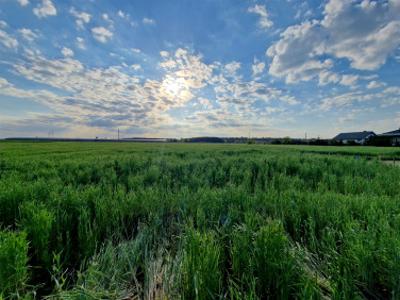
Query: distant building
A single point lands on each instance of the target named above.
(394, 137)
(143, 139)
(354, 137)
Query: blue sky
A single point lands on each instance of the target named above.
(193, 68)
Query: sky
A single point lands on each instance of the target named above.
(182, 68)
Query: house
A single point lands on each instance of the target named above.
(354, 137)
(394, 137)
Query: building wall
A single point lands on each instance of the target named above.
(396, 141)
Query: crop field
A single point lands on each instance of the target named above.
(198, 221)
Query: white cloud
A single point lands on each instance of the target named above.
(34, 124)
(108, 97)
(80, 43)
(388, 97)
(303, 10)
(148, 21)
(3, 24)
(238, 97)
(344, 100)
(45, 9)
(260, 10)
(112, 54)
(236, 93)
(365, 34)
(8, 40)
(257, 68)
(126, 16)
(81, 18)
(136, 50)
(23, 2)
(67, 52)
(136, 67)
(232, 68)
(101, 34)
(107, 18)
(28, 34)
(164, 53)
(185, 72)
(325, 77)
(40, 96)
(293, 55)
(205, 103)
(375, 84)
(349, 80)
(115, 96)
(121, 14)
(365, 37)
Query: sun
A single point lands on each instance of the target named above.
(174, 86)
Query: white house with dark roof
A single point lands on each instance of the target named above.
(354, 137)
(393, 135)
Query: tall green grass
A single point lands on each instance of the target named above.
(13, 264)
(162, 221)
(201, 266)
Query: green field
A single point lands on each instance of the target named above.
(198, 221)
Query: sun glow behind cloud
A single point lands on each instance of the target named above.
(175, 87)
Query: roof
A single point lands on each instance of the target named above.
(392, 133)
(353, 135)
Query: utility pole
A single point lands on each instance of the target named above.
(118, 134)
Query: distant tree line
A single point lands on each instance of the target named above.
(245, 140)
(381, 141)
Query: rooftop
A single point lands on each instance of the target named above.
(353, 135)
(392, 133)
